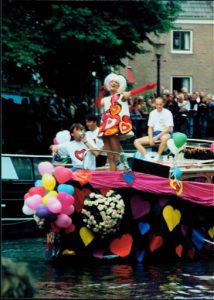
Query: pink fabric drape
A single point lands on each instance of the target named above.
(200, 193)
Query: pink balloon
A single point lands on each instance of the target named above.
(45, 167)
(27, 195)
(54, 205)
(65, 199)
(63, 174)
(37, 190)
(212, 147)
(63, 221)
(55, 141)
(68, 210)
(33, 201)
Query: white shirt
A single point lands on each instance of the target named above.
(93, 135)
(76, 152)
(160, 120)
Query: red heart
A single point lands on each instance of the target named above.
(104, 191)
(110, 121)
(191, 253)
(122, 246)
(126, 118)
(125, 127)
(79, 196)
(79, 154)
(40, 190)
(155, 243)
(62, 174)
(179, 250)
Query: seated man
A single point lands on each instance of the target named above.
(77, 148)
(160, 125)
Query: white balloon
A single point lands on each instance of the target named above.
(27, 210)
(171, 145)
(63, 136)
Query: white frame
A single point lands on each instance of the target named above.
(182, 76)
(182, 51)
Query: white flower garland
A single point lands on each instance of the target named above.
(103, 214)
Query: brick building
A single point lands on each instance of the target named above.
(188, 54)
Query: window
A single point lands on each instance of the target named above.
(179, 82)
(181, 41)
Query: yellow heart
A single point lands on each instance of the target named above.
(68, 252)
(211, 232)
(86, 236)
(177, 186)
(171, 216)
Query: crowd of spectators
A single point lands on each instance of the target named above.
(30, 127)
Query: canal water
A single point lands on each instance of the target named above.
(180, 280)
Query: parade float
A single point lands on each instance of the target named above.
(100, 215)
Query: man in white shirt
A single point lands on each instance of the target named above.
(77, 147)
(160, 126)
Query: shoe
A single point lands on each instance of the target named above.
(152, 158)
(138, 155)
(121, 166)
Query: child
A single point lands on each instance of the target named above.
(116, 123)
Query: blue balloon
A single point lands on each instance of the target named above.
(177, 173)
(38, 183)
(67, 188)
(42, 211)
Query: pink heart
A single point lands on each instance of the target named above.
(62, 174)
(139, 206)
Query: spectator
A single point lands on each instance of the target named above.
(203, 117)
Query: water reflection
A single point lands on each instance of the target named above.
(112, 281)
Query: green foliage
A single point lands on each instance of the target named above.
(65, 41)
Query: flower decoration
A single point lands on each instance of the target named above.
(103, 214)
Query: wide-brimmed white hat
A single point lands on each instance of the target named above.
(119, 78)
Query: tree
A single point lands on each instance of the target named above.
(55, 46)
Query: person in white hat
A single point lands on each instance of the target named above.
(116, 122)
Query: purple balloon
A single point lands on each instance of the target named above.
(42, 211)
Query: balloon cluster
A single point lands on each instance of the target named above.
(45, 202)
(62, 137)
(177, 142)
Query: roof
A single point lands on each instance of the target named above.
(197, 9)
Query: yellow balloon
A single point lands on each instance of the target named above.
(48, 182)
(45, 200)
(52, 194)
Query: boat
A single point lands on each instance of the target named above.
(141, 214)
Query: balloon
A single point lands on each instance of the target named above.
(48, 195)
(55, 141)
(63, 221)
(27, 195)
(45, 167)
(38, 183)
(34, 201)
(54, 205)
(42, 211)
(63, 174)
(177, 173)
(212, 147)
(48, 181)
(65, 199)
(51, 217)
(171, 145)
(179, 139)
(27, 210)
(37, 190)
(68, 210)
(63, 136)
(67, 188)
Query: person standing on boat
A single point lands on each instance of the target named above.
(93, 130)
(116, 123)
(160, 126)
(77, 148)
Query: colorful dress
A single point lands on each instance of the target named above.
(116, 118)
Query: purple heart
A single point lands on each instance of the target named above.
(140, 255)
(143, 227)
(98, 253)
(184, 229)
(128, 177)
(139, 206)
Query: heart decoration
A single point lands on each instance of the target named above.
(211, 232)
(177, 186)
(197, 239)
(139, 206)
(104, 191)
(140, 255)
(62, 174)
(122, 246)
(171, 216)
(179, 250)
(191, 253)
(98, 253)
(128, 177)
(79, 154)
(68, 252)
(111, 131)
(115, 109)
(155, 243)
(79, 196)
(144, 227)
(83, 176)
(110, 121)
(86, 236)
(125, 127)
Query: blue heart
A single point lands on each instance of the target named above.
(140, 255)
(143, 227)
(197, 239)
(128, 177)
